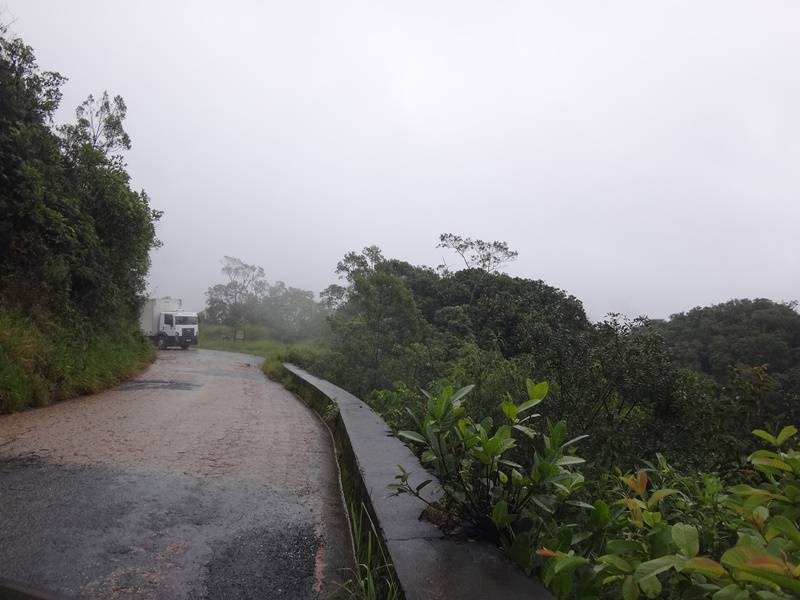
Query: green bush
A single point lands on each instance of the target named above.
(397, 405)
(506, 482)
(696, 540)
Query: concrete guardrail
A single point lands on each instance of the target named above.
(428, 565)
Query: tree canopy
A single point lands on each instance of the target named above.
(658, 385)
(715, 338)
(74, 235)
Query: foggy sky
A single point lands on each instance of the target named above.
(642, 156)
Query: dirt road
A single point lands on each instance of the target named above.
(198, 479)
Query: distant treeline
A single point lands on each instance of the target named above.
(246, 299)
(636, 386)
(74, 240)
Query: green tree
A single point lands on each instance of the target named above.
(290, 313)
(75, 240)
(247, 298)
(477, 254)
(74, 235)
(231, 303)
(751, 332)
(99, 125)
(374, 331)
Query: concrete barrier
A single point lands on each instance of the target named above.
(428, 565)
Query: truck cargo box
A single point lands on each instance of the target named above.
(152, 309)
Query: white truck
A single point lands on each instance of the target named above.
(164, 321)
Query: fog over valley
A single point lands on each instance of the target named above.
(641, 157)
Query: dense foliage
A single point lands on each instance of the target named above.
(750, 332)
(74, 239)
(689, 536)
(44, 358)
(676, 501)
(398, 328)
(658, 533)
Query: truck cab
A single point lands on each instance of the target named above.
(177, 328)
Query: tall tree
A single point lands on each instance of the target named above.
(247, 298)
(231, 303)
(477, 254)
(74, 235)
(99, 125)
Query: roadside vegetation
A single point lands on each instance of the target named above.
(634, 386)
(653, 458)
(372, 578)
(658, 532)
(74, 240)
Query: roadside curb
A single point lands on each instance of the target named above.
(428, 565)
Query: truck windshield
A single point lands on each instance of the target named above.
(185, 320)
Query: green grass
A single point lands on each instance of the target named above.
(51, 358)
(259, 343)
(373, 577)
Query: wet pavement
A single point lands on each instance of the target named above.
(198, 479)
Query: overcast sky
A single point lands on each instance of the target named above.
(642, 156)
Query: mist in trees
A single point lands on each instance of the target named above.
(247, 298)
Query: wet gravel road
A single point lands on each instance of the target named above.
(198, 479)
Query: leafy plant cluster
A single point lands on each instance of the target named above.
(737, 541)
(504, 481)
(655, 533)
(74, 239)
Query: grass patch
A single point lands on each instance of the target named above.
(217, 337)
(258, 343)
(265, 348)
(373, 577)
(50, 358)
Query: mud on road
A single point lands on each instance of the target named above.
(198, 479)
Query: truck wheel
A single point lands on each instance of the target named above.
(161, 343)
